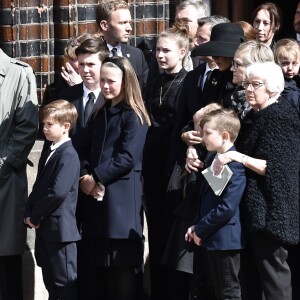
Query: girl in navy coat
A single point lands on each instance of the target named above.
(113, 215)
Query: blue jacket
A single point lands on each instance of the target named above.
(220, 226)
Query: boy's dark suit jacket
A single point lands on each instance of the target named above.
(74, 94)
(114, 157)
(52, 202)
(138, 62)
(220, 225)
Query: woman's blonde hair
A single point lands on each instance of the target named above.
(180, 34)
(254, 51)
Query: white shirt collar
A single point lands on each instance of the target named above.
(207, 68)
(86, 92)
(55, 146)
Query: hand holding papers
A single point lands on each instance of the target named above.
(217, 180)
(100, 192)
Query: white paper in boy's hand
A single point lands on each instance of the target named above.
(217, 169)
(219, 182)
(100, 196)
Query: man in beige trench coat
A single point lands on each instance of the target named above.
(18, 129)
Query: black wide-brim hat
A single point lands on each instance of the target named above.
(224, 40)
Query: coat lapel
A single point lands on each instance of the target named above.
(125, 51)
(44, 168)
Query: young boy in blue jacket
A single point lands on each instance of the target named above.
(219, 228)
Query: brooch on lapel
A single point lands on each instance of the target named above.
(128, 55)
(214, 81)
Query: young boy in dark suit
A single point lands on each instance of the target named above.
(219, 227)
(52, 203)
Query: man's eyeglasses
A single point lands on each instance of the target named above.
(255, 85)
(236, 65)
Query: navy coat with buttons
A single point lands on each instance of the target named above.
(113, 151)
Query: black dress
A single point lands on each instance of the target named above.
(161, 103)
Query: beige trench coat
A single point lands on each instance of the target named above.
(18, 129)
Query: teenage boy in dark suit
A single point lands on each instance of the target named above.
(91, 53)
(87, 98)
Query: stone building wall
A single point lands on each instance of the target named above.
(36, 31)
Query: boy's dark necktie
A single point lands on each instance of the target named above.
(44, 156)
(89, 107)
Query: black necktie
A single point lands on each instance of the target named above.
(89, 107)
(208, 74)
(114, 52)
(45, 156)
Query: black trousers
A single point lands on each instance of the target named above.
(225, 268)
(59, 268)
(111, 269)
(264, 269)
(112, 283)
(294, 263)
(11, 287)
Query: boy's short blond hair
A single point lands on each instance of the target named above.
(212, 106)
(285, 46)
(206, 109)
(223, 120)
(61, 111)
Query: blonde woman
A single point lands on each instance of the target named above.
(171, 50)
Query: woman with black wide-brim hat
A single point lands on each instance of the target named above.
(225, 39)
